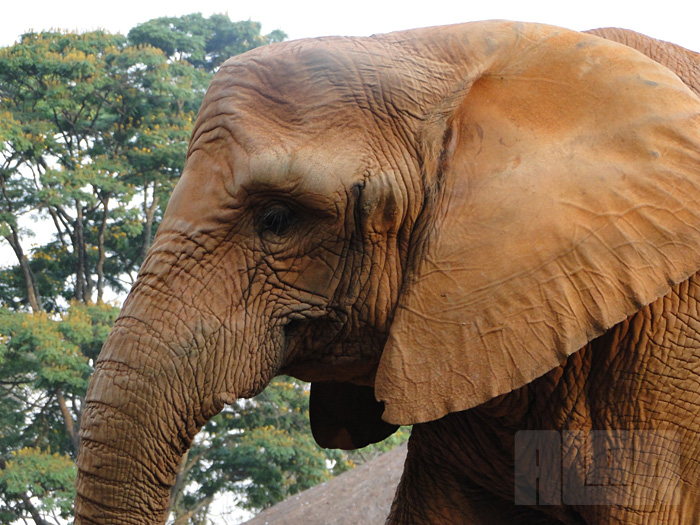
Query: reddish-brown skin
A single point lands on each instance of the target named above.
(683, 62)
(597, 388)
(615, 381)
(489, 227)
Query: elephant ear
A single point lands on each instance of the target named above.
(346, 416)
(567, 196)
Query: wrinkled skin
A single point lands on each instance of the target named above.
(488, 228)
(683, 62)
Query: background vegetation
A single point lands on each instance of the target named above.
(94, 130)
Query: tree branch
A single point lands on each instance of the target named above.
(101, 249)
(182, 520)
(68, 420)
(32, 510)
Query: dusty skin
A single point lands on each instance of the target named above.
(477, 229)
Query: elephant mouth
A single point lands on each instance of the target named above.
(348, 370)
(318, 350)
(311, 335)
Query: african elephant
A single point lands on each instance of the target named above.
(683, 62)
(481, 230)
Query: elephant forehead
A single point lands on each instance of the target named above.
(305, 79)
(264, 150)
(221, 173)
(325, 166)
(327, 91)
(199, 196)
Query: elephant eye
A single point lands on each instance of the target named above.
(276, 219)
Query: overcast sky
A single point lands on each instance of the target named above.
(670, 20)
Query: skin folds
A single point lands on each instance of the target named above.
(478, 229)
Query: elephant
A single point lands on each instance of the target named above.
(683, 62)
(489, 231)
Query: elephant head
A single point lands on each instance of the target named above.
(427, 218)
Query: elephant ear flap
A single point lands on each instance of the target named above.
(560, 208)
(346, 416)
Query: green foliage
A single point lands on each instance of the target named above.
(203, 42)
(266, 441)
(262, 450)
(46, 476)
(89, 125)
(45, 363)
(290, 463)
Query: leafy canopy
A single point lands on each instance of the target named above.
(45, 364)
(90, 124)
(203, 42)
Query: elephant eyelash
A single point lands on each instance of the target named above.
(276, 219)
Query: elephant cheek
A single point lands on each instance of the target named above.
(319, 276)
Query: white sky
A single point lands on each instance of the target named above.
(673, 20)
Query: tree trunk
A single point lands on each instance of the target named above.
(179, 487)
(79, 251)
(68, 421)
(33, 512)
(182, 520)
(30, 282)
(31, 288)
(149, 214)
(101, 250)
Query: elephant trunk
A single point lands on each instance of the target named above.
(171, 362)
(141, 413)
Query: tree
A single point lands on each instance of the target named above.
(45, 363)
(89, 123)
(94, 131)
(203, 42)
(262, 451)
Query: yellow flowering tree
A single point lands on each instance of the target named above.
(94, 133)
(45, 363)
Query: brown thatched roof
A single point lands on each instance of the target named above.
(362, 495)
